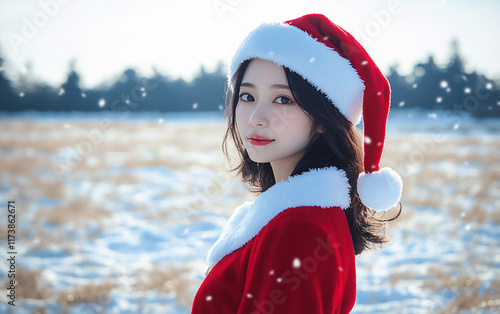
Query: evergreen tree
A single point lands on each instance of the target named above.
(8, 99)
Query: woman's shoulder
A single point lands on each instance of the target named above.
(311, 239)
(312, 217)
(305, 224)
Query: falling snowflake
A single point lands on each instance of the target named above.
(278, 279)
(66, 126)
(379, 93)
(296, 262)
(61, 91)
(271, 272)
(341, 269)
(368, 140)
(489, 86)
(432, 115)
(102, 102)
(144, 94)
(364, 62)
(414, 85)
(21, 94)
(401, 103)
(249, 295)
(443, 84)
(195, 105)
(143, 89)
(467, 90)
(84, 95)
(160, 121)
(311, 60)
(448, 90)
(221, 107)
(186, 231)
(271, 53)
(455, 127)
(439, 99)
(208, 298)
(462, 214)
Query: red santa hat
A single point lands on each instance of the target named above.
(335, 63)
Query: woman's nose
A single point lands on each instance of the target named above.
(259, 115)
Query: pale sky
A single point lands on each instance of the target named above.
(177, 36)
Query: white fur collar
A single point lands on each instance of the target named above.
(325, 187)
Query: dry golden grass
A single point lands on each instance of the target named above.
(29, 168)
(437, 187)
(174, 279)
(468, 295)
(29, 284)
(19, 165)
(76, 212)
(398, 276)
(50, 239)
(119, 179)
(38, 186)
(462, 167)
(92, 293)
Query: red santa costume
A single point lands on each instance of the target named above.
(290, 249)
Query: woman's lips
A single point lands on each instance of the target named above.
(259, 140)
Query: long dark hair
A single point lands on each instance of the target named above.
(339, 145)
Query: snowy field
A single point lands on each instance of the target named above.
(116, 214)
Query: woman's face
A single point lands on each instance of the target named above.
(266, 108)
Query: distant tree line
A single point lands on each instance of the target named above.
(130, 92)
(447, 88)
(428, 86)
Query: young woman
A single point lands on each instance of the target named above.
(298, 90)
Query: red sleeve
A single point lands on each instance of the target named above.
(299, 266)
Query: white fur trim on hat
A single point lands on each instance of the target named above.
(380, 190)
(320, 65)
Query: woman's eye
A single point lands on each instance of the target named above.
(284, 100)
(246, 97)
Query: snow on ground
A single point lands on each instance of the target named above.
(117, 214)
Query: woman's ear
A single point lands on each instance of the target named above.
(320, 129)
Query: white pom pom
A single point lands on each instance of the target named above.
(380, 190)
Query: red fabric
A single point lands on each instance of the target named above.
(377, 94)
(260, 277)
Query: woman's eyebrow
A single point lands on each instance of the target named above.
(282, 86)
(245, 84)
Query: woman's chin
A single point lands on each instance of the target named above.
(258, 159)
